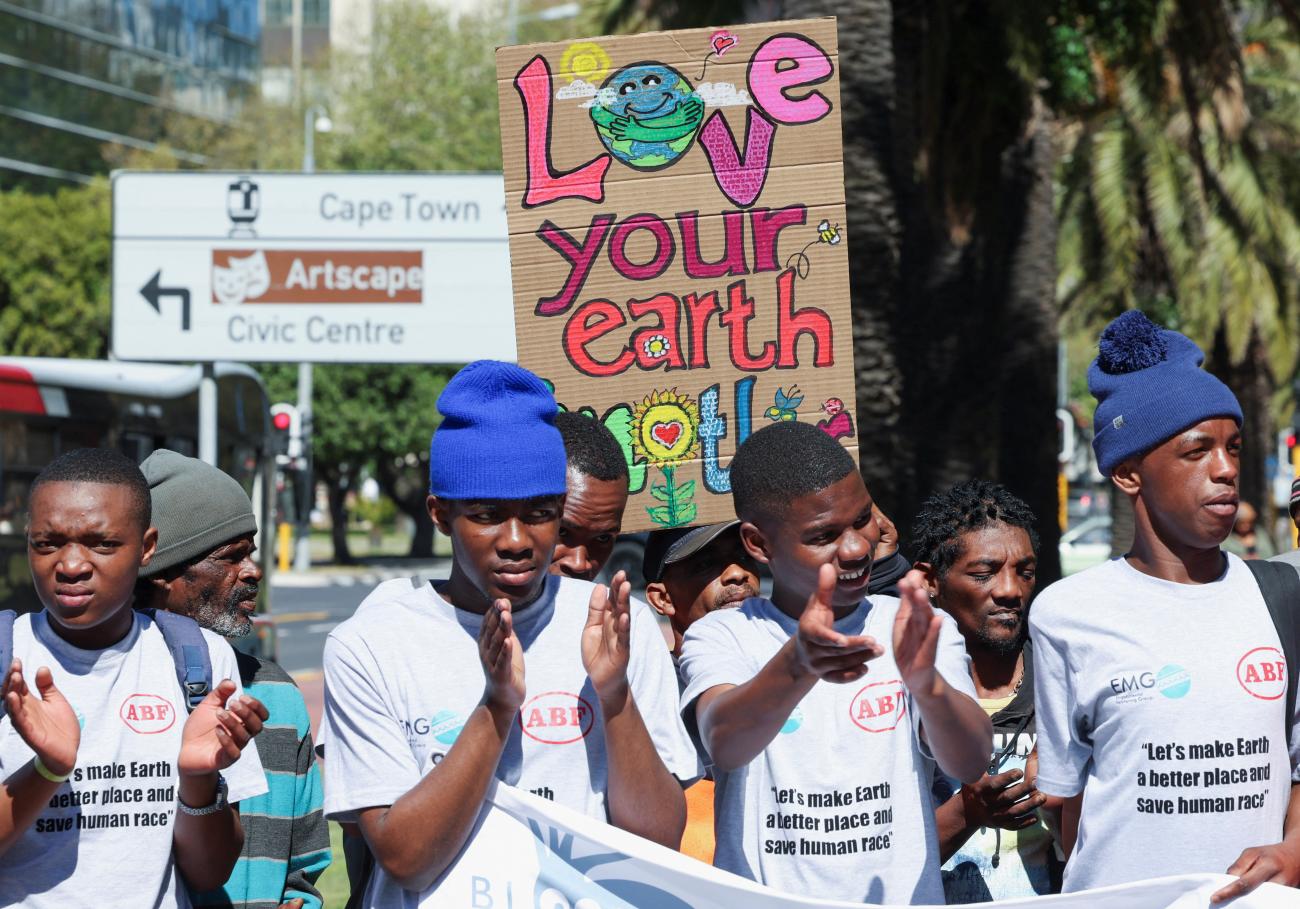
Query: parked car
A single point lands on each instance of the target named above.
(1085, 544)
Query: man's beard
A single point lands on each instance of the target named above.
(227, 620)
(1000, 645)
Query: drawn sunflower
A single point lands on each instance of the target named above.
(665, 428)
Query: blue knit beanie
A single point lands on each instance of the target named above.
(498, 438)
(1149, 387)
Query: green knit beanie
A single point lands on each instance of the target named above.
(196, 508)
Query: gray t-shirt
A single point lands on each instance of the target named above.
(838, 805)
(105, 838)
(1165, 704)
(403, 675)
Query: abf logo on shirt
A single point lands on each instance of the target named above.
(556, 718)
(1262, 672)
(879, 706)
(147, 714)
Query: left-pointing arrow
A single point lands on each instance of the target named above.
(153, 295)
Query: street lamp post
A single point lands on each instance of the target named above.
(315, 119)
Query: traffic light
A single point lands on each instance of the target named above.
(286, 433)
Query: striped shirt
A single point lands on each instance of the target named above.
(286, 839)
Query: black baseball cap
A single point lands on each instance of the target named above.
(664, 547)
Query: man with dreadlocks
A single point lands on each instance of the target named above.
(977, 547)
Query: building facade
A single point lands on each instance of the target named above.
(82, 82)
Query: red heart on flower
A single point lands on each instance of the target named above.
(666, 434)
(722, 42)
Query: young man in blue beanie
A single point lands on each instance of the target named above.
(504, 671)
(1160, 682)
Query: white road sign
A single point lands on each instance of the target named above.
(378, 268)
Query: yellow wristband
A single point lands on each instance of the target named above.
(45, 772)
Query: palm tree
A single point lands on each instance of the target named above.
(948, 164)
(1179, 194)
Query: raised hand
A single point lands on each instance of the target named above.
(822, 651)
(502, 657)
(916, 633)
(888, 544)
(47, 723)
(214, 735)
(605, 639)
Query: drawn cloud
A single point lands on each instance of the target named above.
(578, 88)
(722, 94)
(605, 97)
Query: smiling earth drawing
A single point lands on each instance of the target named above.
(647, 115)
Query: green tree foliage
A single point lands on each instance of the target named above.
(424, 95)
(371, 417)
(54, 272)
(1178, 187)
(421, 97)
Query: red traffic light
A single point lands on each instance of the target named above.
(281, 421)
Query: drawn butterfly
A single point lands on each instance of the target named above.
(785, 406)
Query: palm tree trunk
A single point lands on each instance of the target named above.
(339, 483)
(948, 184)
(953, 267)
(1251, 380)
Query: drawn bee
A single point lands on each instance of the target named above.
(828, 234)
(784, 408)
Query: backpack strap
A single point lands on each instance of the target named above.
(1280, 585)
(7, 619)
(189, 652)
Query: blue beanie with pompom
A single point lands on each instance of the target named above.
(1149, 386)
(498, 438)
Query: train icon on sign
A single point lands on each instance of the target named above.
(243, 204)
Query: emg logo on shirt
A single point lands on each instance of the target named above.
(1171, 680)
(444, 725)
(147, 714)
(792, 722)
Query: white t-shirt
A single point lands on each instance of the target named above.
(1165, 704)
(106, 836)
(403, 675)
(838, 805)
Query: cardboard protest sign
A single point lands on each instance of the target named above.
(677, 244)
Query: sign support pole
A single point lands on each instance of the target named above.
(302, 549)
(208, 415)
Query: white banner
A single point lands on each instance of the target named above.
(528, 853)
